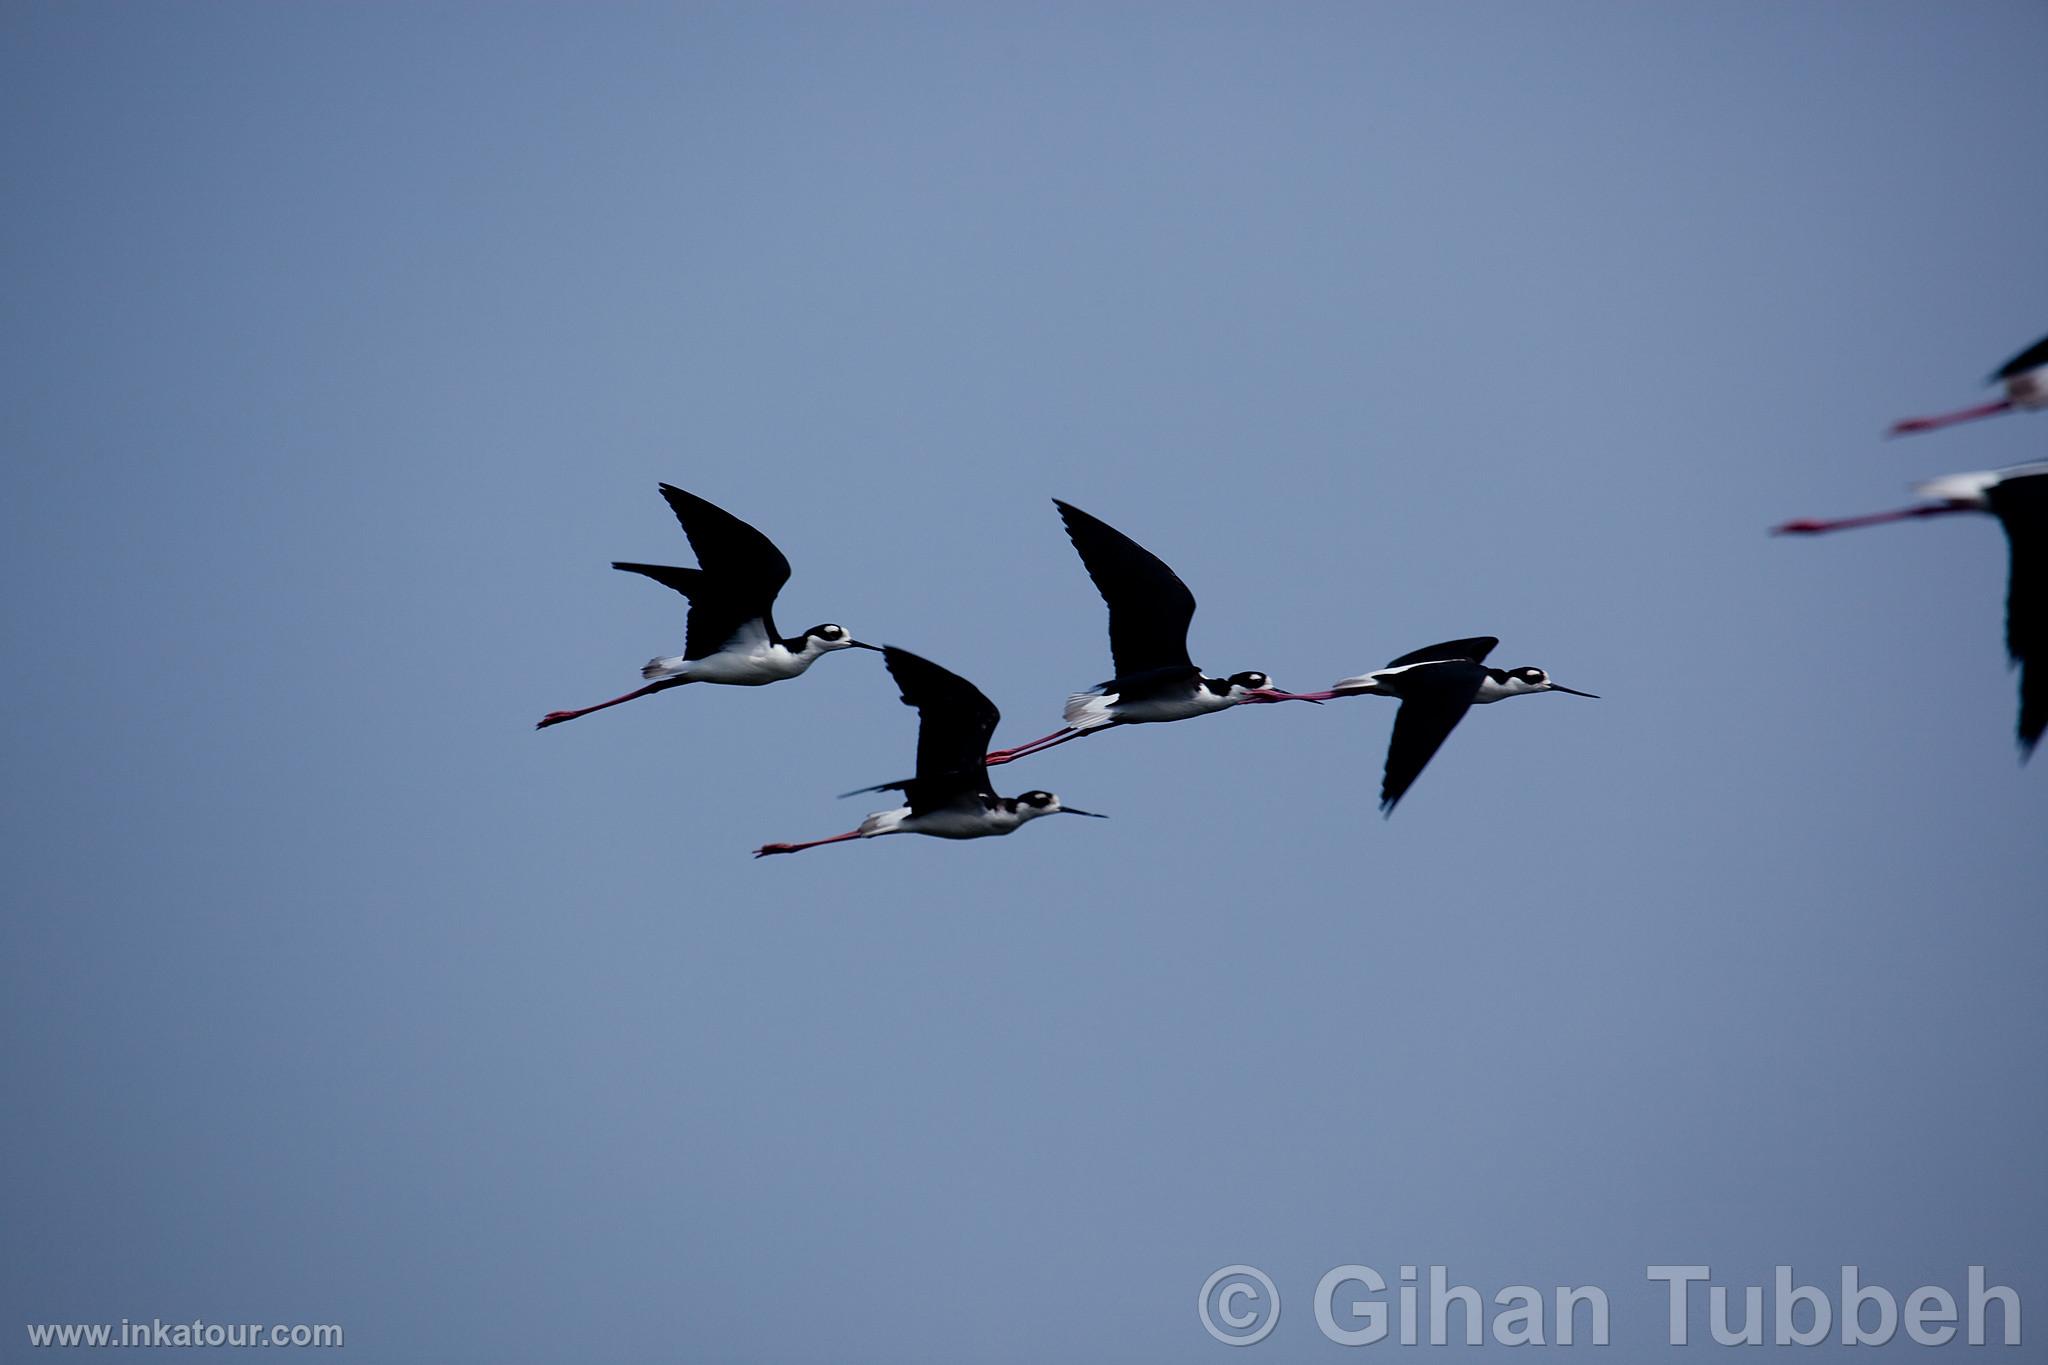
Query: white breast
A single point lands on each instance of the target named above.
(749, 659)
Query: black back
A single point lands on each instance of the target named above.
(1475, 649)
(1149, 607)
(1434, 698)
(1157, 683)
(741, 572)
(2033, 358)
(955, 724)
(2021, 506)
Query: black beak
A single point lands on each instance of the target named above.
(1573, 690)
(1069, 810)
(858, 645)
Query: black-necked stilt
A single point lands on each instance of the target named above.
(951, 796)
(731, 637)
(2025, 377)
(1149, 612)
(2018, 497)
(1436, 686)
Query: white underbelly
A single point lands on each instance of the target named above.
(751, 669)
(959, 824)
(1154, 709)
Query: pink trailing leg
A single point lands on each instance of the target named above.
(1808, 526)
(766, 849)
(1949, 419)
(998, 757)
(557, 717)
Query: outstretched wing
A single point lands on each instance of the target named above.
(717, 618)
(955, 724)
(2033, 358)
(1475, 649)
(688, 582)
(2021, 506)
(1149, 607)
(727, 547)
(741, 572)
(1432, 705)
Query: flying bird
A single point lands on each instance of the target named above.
(1436, 686)
(2025, 377)
(951, 796)
(2018, 497)
(1149, 612)
(731, 636)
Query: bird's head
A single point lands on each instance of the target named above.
(1522, 680)
(1249, 686)
(1032, 804)
(826, 638)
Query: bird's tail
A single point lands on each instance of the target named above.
(1088, 711)
(1356, 687)
(660, 670)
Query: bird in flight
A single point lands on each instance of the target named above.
(1149, 612)
(951, 797)
(1436, 686)
(2025, 377)
(2018, 497)
(731, 635)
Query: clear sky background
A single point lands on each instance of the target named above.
(345, 345)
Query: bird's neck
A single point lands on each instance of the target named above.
(1499, 685)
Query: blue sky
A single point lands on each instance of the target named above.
(347, 344)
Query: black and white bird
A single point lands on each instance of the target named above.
(731, 636)
(951, 796)
(1149, 612)
(2018, 497)
(2025, 377)
(1436, 686)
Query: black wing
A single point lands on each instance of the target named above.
(2021, 506)
(2033, 358)
(1475, 649)
(715, 616)
(741, 574)
(688, 582)
(1427, 716)
(1158, 682)
(954, 725)
(1149, 607)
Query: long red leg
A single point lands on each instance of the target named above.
(1808, 526)
(766, 849)
(1037, 745)
(1949, 419)
(557, 717)
(998, 757)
